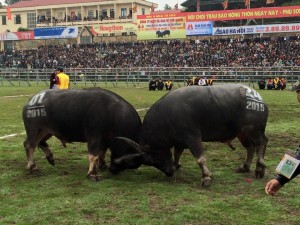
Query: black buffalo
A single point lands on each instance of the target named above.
(188, 116)
(163, 33)
(94, 116)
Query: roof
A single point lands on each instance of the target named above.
(166, 11)
(33, 3)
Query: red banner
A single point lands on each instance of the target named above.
(254, 13)
(27, 35)
(8, 13)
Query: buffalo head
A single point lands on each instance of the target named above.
(142, 154)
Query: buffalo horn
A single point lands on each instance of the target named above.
(131, 143)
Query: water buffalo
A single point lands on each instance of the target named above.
(188, 116)
(94, 116)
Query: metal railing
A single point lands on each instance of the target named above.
(114, 77)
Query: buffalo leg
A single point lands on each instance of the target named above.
(49, 155)
(102, 164)
(31, 166)
(245, 167)
(196, 149)
(96, 150)
(260, 164)
(92, 173)
(45, 148)
(177, 154)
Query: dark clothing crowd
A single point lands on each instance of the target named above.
(272, 84)
(160, 85)
(257, 52)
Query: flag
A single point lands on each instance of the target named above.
(152, 8)
(134, 9)
(176, 6)
(270, 2)
(247, 3)
(8, 13)
(225, 4)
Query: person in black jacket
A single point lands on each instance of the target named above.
(274, 185)
(53, 81)
(152, 85)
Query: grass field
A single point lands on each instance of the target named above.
(62, 194)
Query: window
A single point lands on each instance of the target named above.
(91, 14)
(17, 19)
(123, 12)
(3, 20)
(31, 22)
(104, 13)
(143, 11)
(112, 13)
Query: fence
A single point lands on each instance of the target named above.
(139, 77)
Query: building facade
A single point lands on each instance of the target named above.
(84, 14)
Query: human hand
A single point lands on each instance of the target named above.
(272, 187)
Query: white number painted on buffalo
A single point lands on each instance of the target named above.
(37, 99)
(254, 100)
(36, 112)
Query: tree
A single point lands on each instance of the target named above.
(10, 2)
(167, 7)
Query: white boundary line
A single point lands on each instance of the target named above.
(14, 96)
(13, 135)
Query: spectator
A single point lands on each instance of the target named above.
(160, 85)
(168, 85)
(270, 84)
(63, 79)
(262, 84)
(202, 82)
(152, 84)
(274, 185)
(53, 81)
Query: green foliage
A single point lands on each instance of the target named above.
(10, 2)
(20, 29)
(167, 7)
(61, 194)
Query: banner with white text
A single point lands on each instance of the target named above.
(161, 26)
(257, 29)
(114, 28)
(14, 36)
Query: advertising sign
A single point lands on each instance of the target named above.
(114, 28)
(161, 26)
(257, 29)
(55, 32)
(254, 13)
(10, 36)
(199, 28)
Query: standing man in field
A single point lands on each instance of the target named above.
(63, 80)
(274, 185)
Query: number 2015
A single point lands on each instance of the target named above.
(32, 113)
(257, 106)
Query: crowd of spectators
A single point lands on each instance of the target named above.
(257, 52)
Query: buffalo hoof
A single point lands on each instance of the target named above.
(206, 182)
(177, 167)
(102, 166)
(51, 160)
(243, 169)
(93, 177)
(32, 168)
(260, 174)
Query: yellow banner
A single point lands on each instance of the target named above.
(161, 28)
(114, 28)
